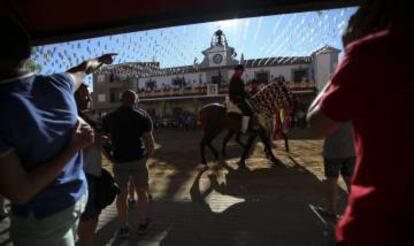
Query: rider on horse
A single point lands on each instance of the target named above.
(239, 96)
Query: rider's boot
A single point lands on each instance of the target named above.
(255, 122)
(245, 123)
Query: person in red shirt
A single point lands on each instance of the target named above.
(372, 84)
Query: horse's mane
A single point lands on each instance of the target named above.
(274, 95)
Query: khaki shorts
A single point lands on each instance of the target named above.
(137, 170)
(59, 229)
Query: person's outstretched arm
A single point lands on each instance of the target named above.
(20, 185)
(318, 121)
(79, 72)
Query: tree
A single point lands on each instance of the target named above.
(32, 65)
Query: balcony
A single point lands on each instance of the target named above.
(223, 90)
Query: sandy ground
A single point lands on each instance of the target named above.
(224, 205)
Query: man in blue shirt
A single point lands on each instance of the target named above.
(130, 130)
(40, 142)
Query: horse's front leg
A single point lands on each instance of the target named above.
(268, 147)
(285, 137)
(208, 136)
(238, 140)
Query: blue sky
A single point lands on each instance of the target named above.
(295, 34)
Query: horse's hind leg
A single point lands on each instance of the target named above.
(246, 150)
(213, 135)
(203, 144)
(225, 141)
(215, 152)
(209, 135)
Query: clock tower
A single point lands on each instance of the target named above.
(220, 53)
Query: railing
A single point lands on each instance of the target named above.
(198, 91)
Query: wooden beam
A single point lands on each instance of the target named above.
(198, 13)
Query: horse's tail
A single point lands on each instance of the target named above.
(201, 121)
(209, 116)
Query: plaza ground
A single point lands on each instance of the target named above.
(224, 205)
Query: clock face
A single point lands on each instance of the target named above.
(217, 58)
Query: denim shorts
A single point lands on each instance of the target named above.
(59, 229)
(333, 167)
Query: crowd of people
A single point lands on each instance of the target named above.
(50, 146)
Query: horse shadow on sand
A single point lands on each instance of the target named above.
(234, 206)
(272, 208)
(228, 206)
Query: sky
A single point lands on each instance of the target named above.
(296, 34)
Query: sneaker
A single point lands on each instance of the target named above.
(123, 232)
(143, 228)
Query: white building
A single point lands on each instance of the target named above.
(170, 90)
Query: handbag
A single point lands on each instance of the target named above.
(106, 189)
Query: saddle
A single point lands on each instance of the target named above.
(232, 108)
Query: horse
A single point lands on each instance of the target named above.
(214, 118)
(281, 128)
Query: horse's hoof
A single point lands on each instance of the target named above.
(276, 161)
(243, 167)
(242, 164)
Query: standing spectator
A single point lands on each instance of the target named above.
(339, 157)
(92, 166)
(374, 77)
(40, 139)
(131, 132)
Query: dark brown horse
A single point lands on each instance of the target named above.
(214, 119)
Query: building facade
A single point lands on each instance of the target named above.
(172, 91)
